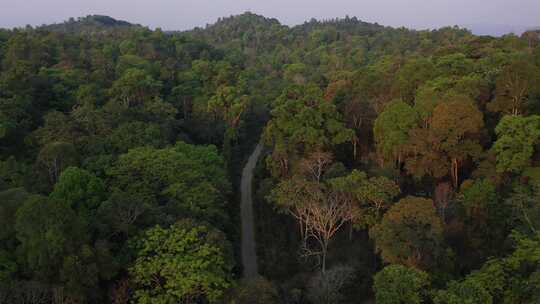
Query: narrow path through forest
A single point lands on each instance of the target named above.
(249, 255)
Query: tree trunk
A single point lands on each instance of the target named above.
(324, 250)
(455, 172)
(354, 149)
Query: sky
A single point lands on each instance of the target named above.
(186, 14)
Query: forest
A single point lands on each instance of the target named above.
(399, 165)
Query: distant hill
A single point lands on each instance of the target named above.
(256, 31)
(497, 30)
(90, 23)
(242, 26)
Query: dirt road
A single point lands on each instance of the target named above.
(249, 255)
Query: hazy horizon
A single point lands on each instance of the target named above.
(185, 15)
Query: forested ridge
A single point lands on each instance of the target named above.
(400, 166)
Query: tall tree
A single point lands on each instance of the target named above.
(183, 180)
(229, 105)
(186, 263)
(453, 137)
(46, 230)
(391, 130)
(302, 122)
(320, 209)
(397, 284)
(410, 233)
(371, 196)
(457, 124)
(516, 141)
(514, 86)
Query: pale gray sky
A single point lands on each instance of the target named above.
(186, 14)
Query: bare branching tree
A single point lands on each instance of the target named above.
(320, 209)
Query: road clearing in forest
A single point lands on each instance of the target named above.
(249, 255)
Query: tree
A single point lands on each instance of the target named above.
(410, 233)
(122, 212)
(228, 104)
(509, 279)
(80, 274)
(10, 201)
(516, 140)
(451, 139)
(478, 197)
(514, 86)
(46, 229)
(136, 134)
(58, 127)
(456, 123)
(468, 291)
(371, 196)
(424, 156)
(397, 284)
(320, 209)
(55, 157)
(186, 263)
(412, 75)
(12, 173)
(302, 122)
(186, 180)
(442, 197)
(378, 192)
(135, 87)
(255, 291)
(427, 98)
(82, 190)
(391, 130)
(359, 116)
(328, 287)
(185, 92)
(315, 165)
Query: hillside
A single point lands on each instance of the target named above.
(90, 23)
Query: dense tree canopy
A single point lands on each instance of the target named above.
(398, 284)
(185, 263)
(401, 165)
(410, 233)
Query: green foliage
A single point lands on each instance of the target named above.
(10, 201)
(512, 279)
(255, 291)
(397, 284)
(136, 134)
(135, 87)
(391, 129)
(8, 267)
(187, 180)
(81, 189)
(516, 140)
(412, 75)
(55, 157)
(372, 195)
(410, 233)
(469, 291)
(122, 102)
(302, 117)
(46, 229)
(302, 121)
(514, 86)
(185, 263)
(229, 104)
(451, 138)
(479, 196)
